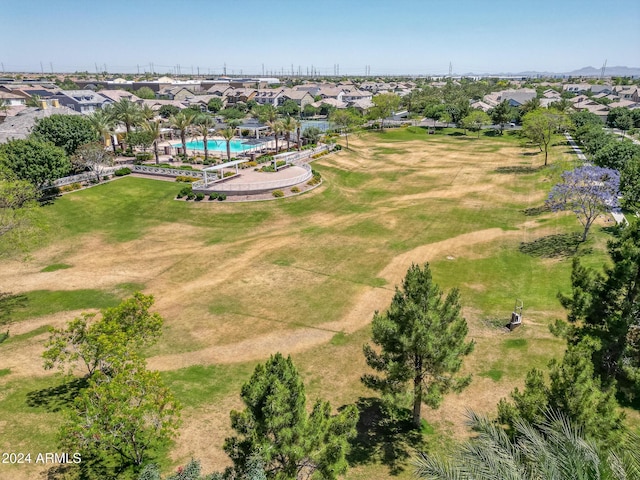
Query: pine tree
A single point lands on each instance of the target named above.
(422, 340)
(275, 426)
(607, 307)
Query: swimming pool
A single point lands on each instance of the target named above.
(236, 146)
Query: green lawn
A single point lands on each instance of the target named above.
(239, 272)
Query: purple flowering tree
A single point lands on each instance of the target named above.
(587, 191)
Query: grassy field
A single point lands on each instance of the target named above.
(303, 276)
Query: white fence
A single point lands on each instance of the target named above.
(83, 177)
(167, 172)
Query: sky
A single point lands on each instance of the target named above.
(355, 37)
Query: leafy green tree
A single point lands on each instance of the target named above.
(17, 211)
(232, 114)
(574, 391)
(422, 341)
(585, 118)
(34, 161)
(383, 106)
(65, 131)
(289, 108)
(554, 448)
(98, 345)
(145, 93)
(191, 471)
(502, 114)
(142, 138)
(124, 413)
(309, 110)
(616, 154)
(620, 118)
(476, 120)
(605, 307)
(630, 184)
(215, 105)
(311, 134)
(275, 427)
(94, 158)
(345, 120)
(167, 111)
(4, 107)
(540, 126)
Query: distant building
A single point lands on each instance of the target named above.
(82, 101)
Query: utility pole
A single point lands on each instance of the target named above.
(225, 69)
(138, 67)
(41, 67)
(51, 65)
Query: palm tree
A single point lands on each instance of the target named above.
(228, 134)
(276, 128)
(153, 127)
(298, 133)
(127, 112)
(553, 450)
(183, 122)
(147, 112)
(288, 126)
(204, 124)
(103, 123)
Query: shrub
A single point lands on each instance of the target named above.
(337, 147)
(228, 174)
(248, 164)
(295, 190)
(321, 154)
(121, 172)
(268, 168)
(199, 196)
(222, 196)
(71, 187)
(191, 196)
(245, 132)
(213, 196)
(143, 156)
(184, 191)
(264, 159)
(281, 163)
(277, 193)
(186, 179)
(316, 178)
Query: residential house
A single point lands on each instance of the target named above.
(240, 95)
(174, 93)
(269, 96)
(576, 87)
(21, 125)
(354, 95)
(82, 101)
(117, 95)
(301, 97)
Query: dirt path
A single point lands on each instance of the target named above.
(360, 314)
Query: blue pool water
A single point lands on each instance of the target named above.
(218, 146)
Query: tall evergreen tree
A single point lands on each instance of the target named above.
(275, 427)
(422, 341)
(607, 307)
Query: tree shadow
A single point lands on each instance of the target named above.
(8, 303)
(530, 154)
(535, 211)
(456, 134)
(385, 434)
(90, 467)
(491, 133)
(54, 399)
(553, 246)
(517, 169)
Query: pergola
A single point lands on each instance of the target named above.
(254, 128)
(219, 170)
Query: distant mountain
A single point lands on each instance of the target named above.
(582, 72)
